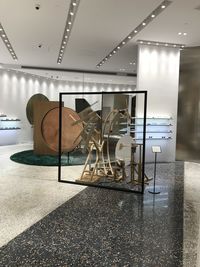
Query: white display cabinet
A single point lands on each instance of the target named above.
(9, 130)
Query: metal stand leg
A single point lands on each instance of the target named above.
(154, 183)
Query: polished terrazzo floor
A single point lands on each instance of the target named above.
(99, 227)
(28, 193)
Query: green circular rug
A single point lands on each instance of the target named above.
(28, 157)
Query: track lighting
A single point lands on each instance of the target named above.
(7, 42)
(139, 28)
(68, 28)
(160, 44)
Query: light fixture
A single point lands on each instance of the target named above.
(153, 43)
(73, 7)
(7, 43)
(157, 11)
(185, 33)
(180, 33)
(118, 47)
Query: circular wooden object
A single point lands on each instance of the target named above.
(123, 149)
(29, 106)
(70, 132)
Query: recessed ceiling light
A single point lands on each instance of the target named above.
(74, 3)
(3, 35)
(71, 13)
(148, 43)
(118, 47)
(67, 30)
(141, 42)
(131, 63)
(58, 62)
(6, 40)
(174, 45)
(166, 44)
(114, 52)
(66, 36)
(185, 33)
(180, 33)
(157, 43)
(64, 42)
(69, 23)
(1, 29)
(157, 11)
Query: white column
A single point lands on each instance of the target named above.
(158, 73)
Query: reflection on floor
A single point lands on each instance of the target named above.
(28, 193)
(100, 227)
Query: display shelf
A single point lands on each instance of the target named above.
(9, 130)
(159, 127)
(132, 131)
(153, 138)
(10, 120)
(152, 118)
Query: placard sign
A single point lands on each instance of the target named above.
(156, 149)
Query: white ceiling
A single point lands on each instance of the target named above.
(99, 26)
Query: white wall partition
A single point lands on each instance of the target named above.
(17, 87)
(158, 73)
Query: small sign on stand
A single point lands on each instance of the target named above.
(155, 150)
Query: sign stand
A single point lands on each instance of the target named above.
(155, 150)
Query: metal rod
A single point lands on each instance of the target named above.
(60, 137)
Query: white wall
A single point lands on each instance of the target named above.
(158, 73)
(17, 87)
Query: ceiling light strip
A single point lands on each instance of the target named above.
(155, 43)
(138, 29)
(68, 28)
(7, 43)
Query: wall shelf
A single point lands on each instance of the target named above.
(9, 130)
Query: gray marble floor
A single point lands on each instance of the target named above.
(28, 193)
(192, 215)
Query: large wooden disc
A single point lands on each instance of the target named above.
(70, 132)
(29, 106)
